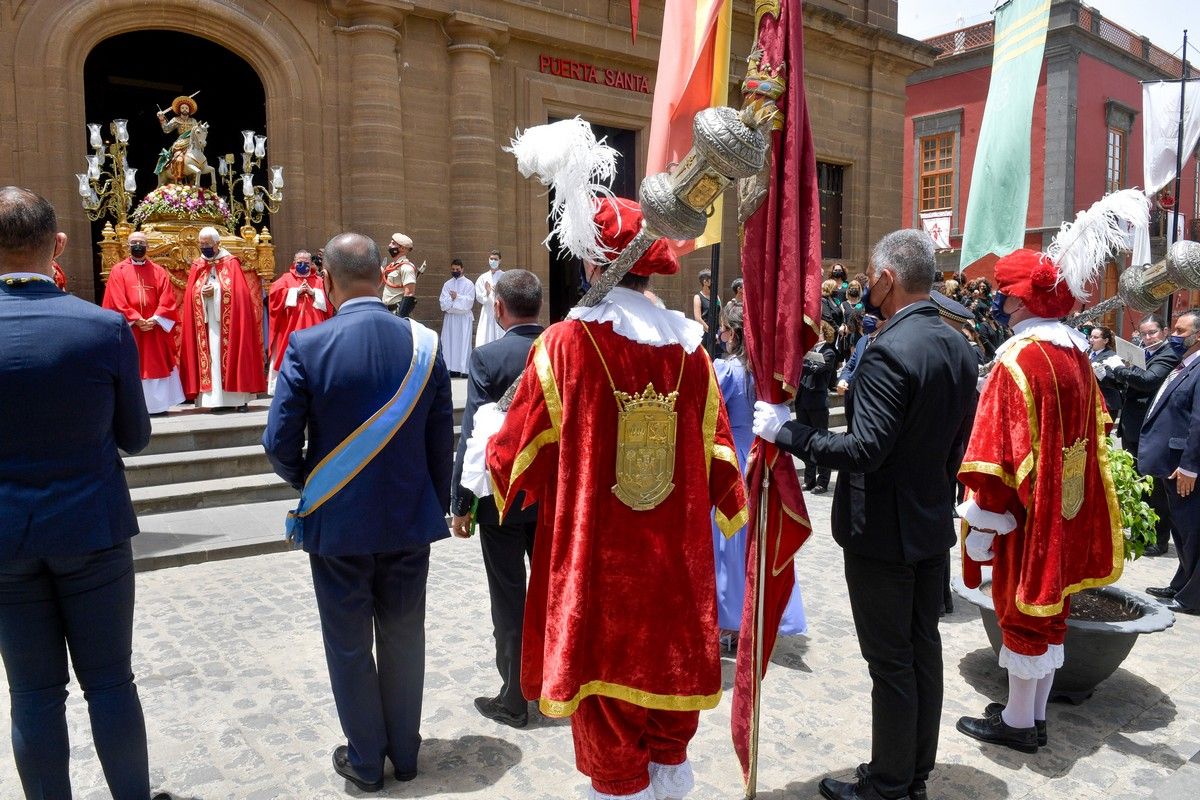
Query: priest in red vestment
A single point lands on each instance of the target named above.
(221, 357)
(296, 301)
(141, 290)
(1041, 507)
(619, 433)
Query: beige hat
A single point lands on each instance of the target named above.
(402, 240)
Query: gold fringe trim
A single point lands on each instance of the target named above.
(658, 702)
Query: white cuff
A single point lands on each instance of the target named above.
(671, 780)
(1031, 668)
(319, 299)
(1187, 473)
(488, 420)
(976, 517)
(165, 324)
(293, 295)
(644, 794)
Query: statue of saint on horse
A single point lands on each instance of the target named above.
(184, 161)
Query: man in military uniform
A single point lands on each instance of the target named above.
(400, 277)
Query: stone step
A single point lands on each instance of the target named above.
(158, 469)
(209, 493)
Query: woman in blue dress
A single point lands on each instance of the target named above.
(737, 387)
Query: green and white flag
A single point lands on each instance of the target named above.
(999, 197)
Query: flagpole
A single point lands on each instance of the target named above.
(713, 321)
(759, 600)
(1178, 164)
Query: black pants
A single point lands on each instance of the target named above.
(83, 604)
(405, 307)
(1185, 511)
(895, 609)
(817, 418)
(375, 599)
(505, 548)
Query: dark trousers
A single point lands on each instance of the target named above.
(405, 307)
(375, 599)
(1185, 512)
(83, 604)
(505, 548)
(895, 609)
(1157, 501)
(819, 419)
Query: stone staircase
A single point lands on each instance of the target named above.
(201, 460)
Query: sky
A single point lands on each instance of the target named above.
(1162, 21)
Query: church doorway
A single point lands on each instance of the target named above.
(133, 75)
(566, 272)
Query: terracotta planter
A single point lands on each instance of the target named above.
(1092, 650)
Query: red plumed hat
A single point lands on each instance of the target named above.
(619, 220)
(1034, 278)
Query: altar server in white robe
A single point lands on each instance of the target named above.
(457, 299)
(489, 330)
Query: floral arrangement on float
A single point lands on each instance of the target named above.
(180, 201)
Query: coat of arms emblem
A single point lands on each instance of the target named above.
(645, 447)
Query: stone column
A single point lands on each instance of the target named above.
(474, 149)
(375, 142)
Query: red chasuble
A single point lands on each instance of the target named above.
(142, 291)
(241, 336)
(1040, 399)
(621, 603)
(285, 319)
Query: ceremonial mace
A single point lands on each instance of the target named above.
(727, 144)
(1143, 288)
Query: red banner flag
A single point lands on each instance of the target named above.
(781, 267)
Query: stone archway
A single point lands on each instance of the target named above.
(51, 44)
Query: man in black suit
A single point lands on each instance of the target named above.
(367, 513)
(494, 367)
(1170, 451)
(1140, 387)
(906, 413)
(70, 395)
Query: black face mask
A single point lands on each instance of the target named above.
(137, 250)
(393, 251)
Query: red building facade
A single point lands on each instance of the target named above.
(1086, 131)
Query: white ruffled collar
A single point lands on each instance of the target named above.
(637, 318)
(1046, 330)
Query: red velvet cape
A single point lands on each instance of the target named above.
(284, 319)
(1014, 463)
(142, 292)
(241, 335)
(621, 603)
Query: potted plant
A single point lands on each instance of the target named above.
(1104, 622)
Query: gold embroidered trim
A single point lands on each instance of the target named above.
(545, 373)
(728, 527)
(712, 406)
(638, 697)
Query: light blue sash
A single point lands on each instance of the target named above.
(348, 459)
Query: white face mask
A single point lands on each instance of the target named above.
(493, 263)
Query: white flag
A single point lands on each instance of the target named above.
(937, 225)
(1160, 128)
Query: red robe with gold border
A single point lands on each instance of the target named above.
(241, 334)
(285, 319)
(1040, 399)
(142, 291)
(621, 603)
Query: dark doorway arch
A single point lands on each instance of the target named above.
(132, 75)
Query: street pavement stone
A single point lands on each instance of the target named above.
(231, 671)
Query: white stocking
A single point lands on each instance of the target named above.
(1043, 697)
(1022, 693)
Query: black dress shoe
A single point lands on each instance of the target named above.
(1178, 608)
(1154, 551)
(161, 796)
(916, 791)
(493, 709)
(1163, 592)
(994, 730)
(405, 777)
(994, 709)
(820, 489)
(808, 487)
(861, 789)
(341, 765)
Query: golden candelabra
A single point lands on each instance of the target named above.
(255, 199)
(109, 183)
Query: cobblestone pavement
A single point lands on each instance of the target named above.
(231, 671)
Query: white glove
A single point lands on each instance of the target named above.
(979, 545)
(488, 420)
(769, 418)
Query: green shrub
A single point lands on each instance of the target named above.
(1138, 518)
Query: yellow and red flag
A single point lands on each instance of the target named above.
(693, 74)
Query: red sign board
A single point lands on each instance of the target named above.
(591, 73)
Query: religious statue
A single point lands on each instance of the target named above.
(184, 160)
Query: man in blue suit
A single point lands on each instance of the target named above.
(70, 395)
(368, 543)
(1170, 450)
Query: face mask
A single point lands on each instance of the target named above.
(317, 261)
(137, 250)
(869, 324)
(868, 306)
(208, 252)
(301, 267)
(456, 273)
(998, 313)
(393, 251)
(493, 263)
(1181, 344)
